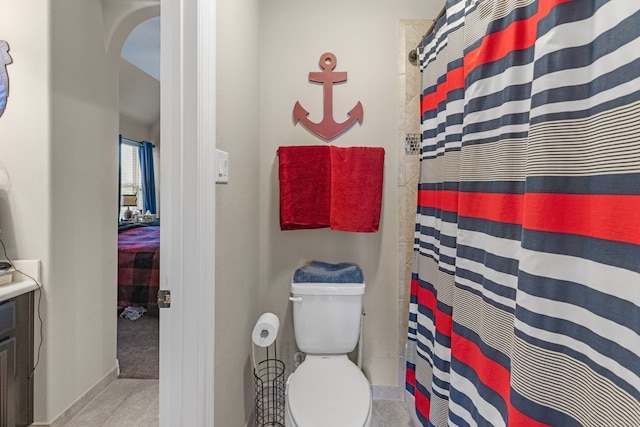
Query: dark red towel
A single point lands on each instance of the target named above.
(356, 188)
(305, 185)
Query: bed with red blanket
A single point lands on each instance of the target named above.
(138, 264)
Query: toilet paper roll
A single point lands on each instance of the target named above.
(266, 330)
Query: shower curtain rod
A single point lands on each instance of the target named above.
(135, 142)
(413, 54)
(132, 140)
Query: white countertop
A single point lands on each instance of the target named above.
(21, 284)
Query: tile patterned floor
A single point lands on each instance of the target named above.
(391, 413)
(124, 403)
(134, 403)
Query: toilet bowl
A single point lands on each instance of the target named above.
(327, 391)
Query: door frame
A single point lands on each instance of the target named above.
(187, 235)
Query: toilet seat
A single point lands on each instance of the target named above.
(328, 391)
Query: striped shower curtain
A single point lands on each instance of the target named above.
(525, 294)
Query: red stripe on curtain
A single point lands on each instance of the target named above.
(423, 404)
(411, 377)
(497, 207)
(580, 214)
(453, 81)
(445, 200)
(519, 35)
(506, 208)
(492, 374)
(443, 320)
(586, 215)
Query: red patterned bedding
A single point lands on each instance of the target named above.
(138, 266)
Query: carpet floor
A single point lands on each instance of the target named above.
(138, 346)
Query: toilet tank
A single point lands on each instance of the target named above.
(327, 316)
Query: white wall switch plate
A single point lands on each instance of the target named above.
(222, 167)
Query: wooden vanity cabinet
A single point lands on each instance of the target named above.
(16, 361)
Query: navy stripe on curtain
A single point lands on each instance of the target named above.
(525, 293)
(145, 153)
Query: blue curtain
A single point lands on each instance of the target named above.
(525, 293)
(119, 173)
(145, 153)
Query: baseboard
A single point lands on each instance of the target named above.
(73, 410)
(252, 419)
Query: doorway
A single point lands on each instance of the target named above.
(188, 93)
(138, 233)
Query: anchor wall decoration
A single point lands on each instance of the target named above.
(328, 128)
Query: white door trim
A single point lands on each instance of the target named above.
(187, 256)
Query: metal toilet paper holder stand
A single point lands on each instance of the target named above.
(269, 382)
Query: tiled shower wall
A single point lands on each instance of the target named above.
(411, 32)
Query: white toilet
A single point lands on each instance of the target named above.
(327, 389)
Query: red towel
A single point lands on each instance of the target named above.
(305, 185)
(326, 186)
(356, 188)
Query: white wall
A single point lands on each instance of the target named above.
(263, 64)
(24, 133)
(363, 36)
(133, 130)
(81, 329)
(25, 146)
(237, 209)
(58, 199)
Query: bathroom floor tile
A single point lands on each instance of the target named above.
(133, 402)
(125, 402)
(391, 413)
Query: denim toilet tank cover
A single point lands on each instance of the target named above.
(322, 272)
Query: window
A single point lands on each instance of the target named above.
(130, 179)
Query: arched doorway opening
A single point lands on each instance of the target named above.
(138, 233)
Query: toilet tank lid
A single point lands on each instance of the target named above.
(327, 288)
(323, 272)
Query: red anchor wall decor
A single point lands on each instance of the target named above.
(328, 128)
